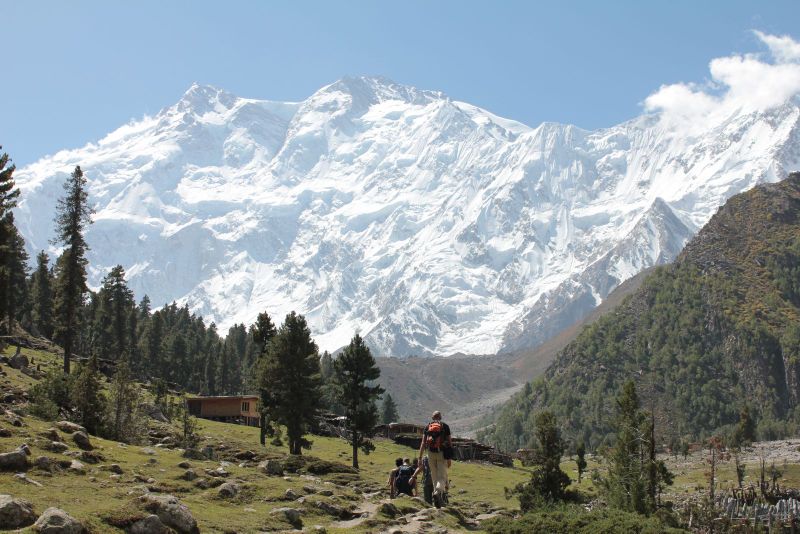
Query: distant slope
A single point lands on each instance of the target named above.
(469, 388)
(532, 363)
(422, 385)
(716, 330)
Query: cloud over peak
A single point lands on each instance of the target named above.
(738, 83)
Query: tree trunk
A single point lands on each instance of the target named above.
(262, 423)
(67, 352)
(355, 448)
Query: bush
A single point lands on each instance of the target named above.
(51, 395)
(571, 519)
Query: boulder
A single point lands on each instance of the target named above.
(228, 490)
(245, 455)
(91, 457)
(50, 434)
(208, 452)
(290, 494)
(171, 512)
(15, 513)
(194, 454)
(14, 461)
(81, 439)
(189, 475)
(271, 467)
(45, 463)
(184, 465)
(56, 446)
(77, 467)
(5, 433)
(18, 361)
(115, 468)
(69, 427)
(389, 509)
(154, 412)
(56, 521)
(218, 472)
(291, 515)
(148, 451)
(333, 510)
(149, 525)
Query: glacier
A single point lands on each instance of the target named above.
(429, 225)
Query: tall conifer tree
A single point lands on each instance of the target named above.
(353, 371)
(389, 410)
(13, 271)
(290, 381)
(42, 296)
(73, 215)
(262, 331)
(113, 316)
(13, 257)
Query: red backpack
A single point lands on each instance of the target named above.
(435, 436)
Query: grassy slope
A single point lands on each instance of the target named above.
(92, 496)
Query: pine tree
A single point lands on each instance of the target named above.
(189, 438)
(745, 432)
(113, 316)
(548, 482)
(352, 371)
(87, 399)
(42, 296)
(290, 380)
(126, 422)
(389, 410)
(13, 271)
(150, 343)
(330, 400)
(11, 246)
(72, 217)
(625, 485)
(263, 330)
(635, 477)
(9, 192)
(580, 451)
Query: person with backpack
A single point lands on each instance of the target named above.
(402, 482)
(437, 441)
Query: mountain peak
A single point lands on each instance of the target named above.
(202, 98)
(373, 89)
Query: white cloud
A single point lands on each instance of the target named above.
(783, 48)
(739, 83)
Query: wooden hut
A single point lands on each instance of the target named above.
(242, 410)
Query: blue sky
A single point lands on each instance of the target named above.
(74, 71)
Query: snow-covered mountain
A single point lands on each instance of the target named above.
(431, 226)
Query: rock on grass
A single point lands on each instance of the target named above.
(56, 521)
(15, 513)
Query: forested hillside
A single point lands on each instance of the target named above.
(705, 338)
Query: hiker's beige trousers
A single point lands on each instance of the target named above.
(438, 471)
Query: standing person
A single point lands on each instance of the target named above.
(393, 478)
(424, 469)
(437, 440)
(415, 465)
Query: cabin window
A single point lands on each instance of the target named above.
(245, 406)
